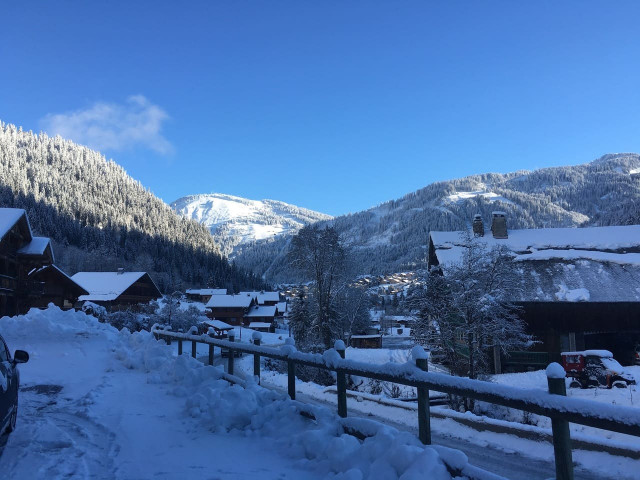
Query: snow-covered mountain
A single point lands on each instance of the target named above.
(392, 237)
(235, 221)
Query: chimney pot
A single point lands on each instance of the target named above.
(499, 225)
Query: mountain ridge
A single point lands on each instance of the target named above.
(235, 221)
(391, 236)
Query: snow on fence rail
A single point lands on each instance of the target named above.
(553, 404)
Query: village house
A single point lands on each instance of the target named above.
(366, 341)
(20, 253)
(230, 308)
(579, 288)
(117, 290)
(261, 318)
(57, 288)
(203, 295)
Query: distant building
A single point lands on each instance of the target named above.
(230, 308)
(117, 290)
(204, 294)
(260, 315)
(20, 253)
(366, 341)
(579, 287)
(57, 288)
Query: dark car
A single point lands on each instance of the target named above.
(9, 384)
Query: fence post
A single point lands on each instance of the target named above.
(289, 348)
(341, 378)
(232, 338)
(179, 346)
(257, 336)
(424, 413)
(210, 354)
(193, 348)
(559, 427)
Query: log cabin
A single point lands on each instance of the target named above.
(230, 308)
(57, 288)
(578, 288)
(20, 253)
(203, 295)
(117, 290)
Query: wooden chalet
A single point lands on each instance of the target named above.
(230, 308)
(57, 288)
(204, 294)
(261, 318)
(117, 290)
(366, 341)
(20, 253)
(579, 288)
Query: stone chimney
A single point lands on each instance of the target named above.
(120, 271)
(478, 226)
(499, 225)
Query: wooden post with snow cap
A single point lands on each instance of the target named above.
(288, 348)
(341, 378)
(257, 337)
(211, 333)
(232, 338)
(179, 346)
(424, 413)
(560, 428)
(193, 331)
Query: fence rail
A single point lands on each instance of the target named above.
(553, 404)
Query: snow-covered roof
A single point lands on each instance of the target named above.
(8, 218)
(207, 291)
(365, 336)
(259, 325)
(282, 307)
(36, 246)
(262, 297)
(596, 264)
(218, 324)
(105, 286)
(231, 301)
(42, 269)
(262, 311)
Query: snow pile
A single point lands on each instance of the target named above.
(253, 411)
(555, 370)
(53, 323)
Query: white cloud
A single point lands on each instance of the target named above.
(112, 126)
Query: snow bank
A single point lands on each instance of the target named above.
(322, 445)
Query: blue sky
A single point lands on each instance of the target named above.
(334, 106)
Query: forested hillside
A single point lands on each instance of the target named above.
(393, 236)
(102, 219)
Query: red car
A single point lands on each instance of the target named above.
(9, 384)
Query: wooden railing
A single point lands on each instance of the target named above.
(553, 404)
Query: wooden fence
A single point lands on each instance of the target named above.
(553, 404)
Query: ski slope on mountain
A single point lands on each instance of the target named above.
(235, 221)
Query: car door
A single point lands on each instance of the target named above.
(6, 383)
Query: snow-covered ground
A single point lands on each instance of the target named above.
(98, 403)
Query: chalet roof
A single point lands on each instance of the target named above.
(37, 247)
(262, 311)
(36, 273)
(597, 264)
(262, 297)
(230, 301)
(9, 217)
(282, 307)
(207, 291)
(259, 325)
(105, 286)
